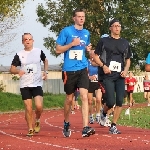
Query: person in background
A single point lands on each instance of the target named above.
(76, 96)
(93, 87)
(146, 85)
(126, 93)
(29, 60)
(131, 82)
(75, 104)
(74, 41)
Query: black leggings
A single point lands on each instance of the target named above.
(115, 92)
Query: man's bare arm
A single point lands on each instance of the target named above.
(45, 65)
(14, 70)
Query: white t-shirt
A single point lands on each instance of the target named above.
(31, 64)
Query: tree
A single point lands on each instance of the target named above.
(58, 14)
(134, 16)
(9, 20)
(10, 8)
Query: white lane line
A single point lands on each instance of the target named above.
(44, 143)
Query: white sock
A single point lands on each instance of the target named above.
(98, 114)
(91, 116)
(37, 120)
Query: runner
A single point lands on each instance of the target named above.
(73, 41)
(29, 59)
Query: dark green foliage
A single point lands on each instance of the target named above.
(134, 16)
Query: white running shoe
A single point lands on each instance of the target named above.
(107, 123)
(91, 120)
(97, 119)
(102, 119)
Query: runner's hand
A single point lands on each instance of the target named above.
(44, 77)
(21, 73)
(89, 47)
(76, 41)
(123, 74)
(106, 70)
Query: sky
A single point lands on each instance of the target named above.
(30, 25)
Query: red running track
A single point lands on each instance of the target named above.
(13, 130)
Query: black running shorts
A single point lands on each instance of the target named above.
(75, 79)
(31, 92)
(93, 86)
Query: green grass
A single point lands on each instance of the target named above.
(139, 117)
(13, 102)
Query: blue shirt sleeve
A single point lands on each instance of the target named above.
(61, 40)
(148, 59)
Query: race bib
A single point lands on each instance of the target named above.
(75, 54)
(96, 78)
(32, 68)
(146, 88)
(115, 66)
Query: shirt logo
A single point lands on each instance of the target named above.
(74, 36)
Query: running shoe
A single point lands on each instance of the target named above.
(114, 130)
(66, 130)
(87, 131)
(97, 119)
(91, 120)
(30, 133)
(102, 119)
(107, 123)
(37, 127)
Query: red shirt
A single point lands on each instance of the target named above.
(146, 84)
(130, 83)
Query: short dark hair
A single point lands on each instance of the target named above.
(26, 34)
(113, 21)
(77, 10)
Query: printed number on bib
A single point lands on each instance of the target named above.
(32, 68)
(115, 66)
(96, 78)
(75, 54)
(146, 88)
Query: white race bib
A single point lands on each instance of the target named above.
(146, 88)
(115, 66)
(76, 54)
(96, 78)
(32, 68)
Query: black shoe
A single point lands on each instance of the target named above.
(87, 131)
(66, 130)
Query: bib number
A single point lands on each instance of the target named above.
(32, 68)
(75, 54)
(115, 66)
(96, 78)
(146, 88)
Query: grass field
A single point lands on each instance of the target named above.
(139, 117)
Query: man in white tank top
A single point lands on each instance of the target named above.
(31, 80)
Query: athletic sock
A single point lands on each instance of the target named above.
(113, 124)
